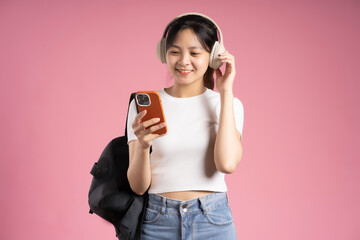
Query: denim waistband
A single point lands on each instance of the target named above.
(172, 206)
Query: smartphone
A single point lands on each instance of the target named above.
(151, 102)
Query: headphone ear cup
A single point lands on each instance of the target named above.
(161, 50)
(215, 61)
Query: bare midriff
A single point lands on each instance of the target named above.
(185, 195)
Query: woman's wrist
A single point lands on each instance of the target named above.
(143, 147)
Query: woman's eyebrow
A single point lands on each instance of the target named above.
(193, 47)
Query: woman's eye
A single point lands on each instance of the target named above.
(173, 52)
(195, 53)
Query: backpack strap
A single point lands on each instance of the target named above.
(132, 96)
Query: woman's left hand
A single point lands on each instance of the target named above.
(224, 82)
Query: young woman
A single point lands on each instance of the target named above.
(184, 174)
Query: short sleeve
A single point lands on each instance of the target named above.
(131, 117)
(239, 115)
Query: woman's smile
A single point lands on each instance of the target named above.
(184, 72)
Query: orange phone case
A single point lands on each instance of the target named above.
(154, 108)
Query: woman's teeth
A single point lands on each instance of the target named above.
(184, 71)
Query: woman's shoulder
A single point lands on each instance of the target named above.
(216, 96)
(212, 93)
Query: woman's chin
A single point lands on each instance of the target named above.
(183, 80)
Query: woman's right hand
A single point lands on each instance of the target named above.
(144, 134)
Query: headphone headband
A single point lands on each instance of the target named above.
(197, 14)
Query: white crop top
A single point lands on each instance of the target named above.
(183, 159)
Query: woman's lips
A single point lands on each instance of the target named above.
(184, 72)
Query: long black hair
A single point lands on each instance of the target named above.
(206, 33)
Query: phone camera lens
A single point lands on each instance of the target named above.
(143, 99)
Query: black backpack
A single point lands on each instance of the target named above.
(110, 195)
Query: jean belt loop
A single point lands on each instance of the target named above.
(203, 205)
(163, 205)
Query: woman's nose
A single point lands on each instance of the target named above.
(184, 59)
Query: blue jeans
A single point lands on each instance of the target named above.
(207, 218)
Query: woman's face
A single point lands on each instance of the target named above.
(186, 59)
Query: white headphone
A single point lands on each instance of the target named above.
(217, 48)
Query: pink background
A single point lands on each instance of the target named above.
(67, 69)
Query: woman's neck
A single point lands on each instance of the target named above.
(183, 91)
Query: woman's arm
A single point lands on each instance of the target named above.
(139, 171)
(228, 148)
